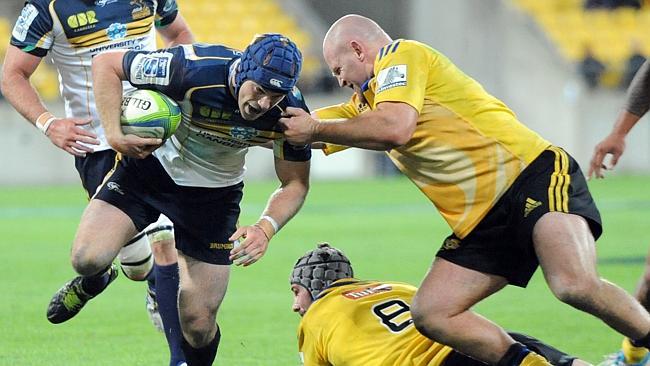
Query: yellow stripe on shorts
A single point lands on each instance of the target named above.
(558, 189)
(118, 158)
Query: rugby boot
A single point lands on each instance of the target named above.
(152, 309)
(618, 359)
(68, 301)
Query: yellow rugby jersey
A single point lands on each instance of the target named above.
(468, 146)
(365, 323)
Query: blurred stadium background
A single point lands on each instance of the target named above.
(526, 52)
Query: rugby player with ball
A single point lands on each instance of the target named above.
(229, 101)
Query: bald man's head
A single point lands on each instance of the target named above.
(350, 48)
(357, 28)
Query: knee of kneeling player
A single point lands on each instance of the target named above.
(136, 259)
(428, 322)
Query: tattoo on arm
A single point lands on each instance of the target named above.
(638, 95)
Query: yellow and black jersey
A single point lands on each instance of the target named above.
(365, 323)
(468, 147)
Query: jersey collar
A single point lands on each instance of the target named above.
(337, 283)
(232, 71)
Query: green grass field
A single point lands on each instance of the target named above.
(387, 228)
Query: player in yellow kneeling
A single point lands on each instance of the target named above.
(346, 321)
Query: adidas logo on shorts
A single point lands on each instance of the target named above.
(531, 204)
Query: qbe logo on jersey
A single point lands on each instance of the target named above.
(391, 77)
(151, 68)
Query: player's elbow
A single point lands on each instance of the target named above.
(397, 124)
(400, 134)
(400, 138)
(107, 63)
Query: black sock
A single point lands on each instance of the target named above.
(151, 278)
(94, 285)
(167, 297)
(514, 355)
(203, 356)
(643, 342)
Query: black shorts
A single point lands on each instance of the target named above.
(204, 218)
(93, 168)
(502, 243)
(553, 355)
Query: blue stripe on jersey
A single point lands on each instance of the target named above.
(395, 47)
(364, 86)
(381, 52)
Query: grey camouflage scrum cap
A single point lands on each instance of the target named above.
(318, 268)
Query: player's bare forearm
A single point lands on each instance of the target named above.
(287, 200)
(65, 133)
(283, 204)
(16, 88)
(624, 123)
(362, 132)
(107, 87)
(178, 32)
(23, 97)
(388, 126)
(613, 144)
(636, 104)
(638, 95)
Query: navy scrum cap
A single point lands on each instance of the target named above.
(271, 60)
(318, 268)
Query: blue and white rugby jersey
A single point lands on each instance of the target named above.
(73, 31)
(210, 144)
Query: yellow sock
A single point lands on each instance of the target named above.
(632, 354)
(533, 359)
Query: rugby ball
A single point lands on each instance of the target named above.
(147, 113)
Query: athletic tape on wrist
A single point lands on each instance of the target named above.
(43, 127)
(272, 221)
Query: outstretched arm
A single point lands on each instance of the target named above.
(283, 204)
(107, 78)
(65, 133)
(636, 105)
(388, 126)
